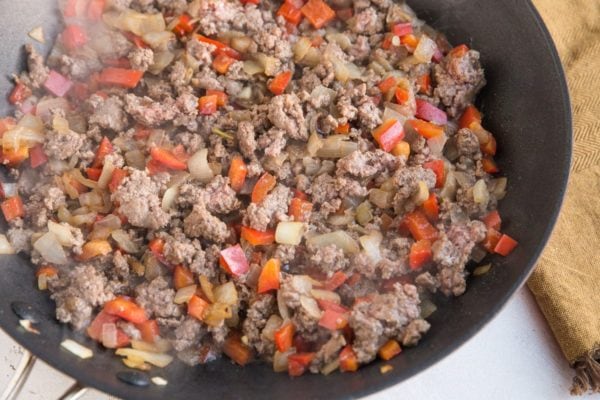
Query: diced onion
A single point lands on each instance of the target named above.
(273, 323)
(421, 194)
(184, 294)
(482, 270)
(252, 67)
(269, 64)
(37, 34)
(5, 246)
(169, 198)
(31, 122)
(301, 48)
(158, 381)
(381, 198)
(109, 335)
(135, 22)
(207, 288)
(77, 349)
(331, 367)
(159, 346)
(480, 193)
(341, 219)
(217, 313)
(104, 227)
(312, 57)
(464, 180)
(158, 360)
(436, 144)
(280, 361)
(162, 59)
(158, 40)
(425, 49)
(450, 186)
(45, 106)
(28, 326)
(199, 168)
(50, 249)
(21, 136)
(76, 174)
(106, 175)
(370, 243)
(124, 241)
(337, 146)
(63, 233)
(311, 307)
(340, 39)
(289, 233)
(315, 143)
(241, 43)
(364, 213)
(427, 308)
(328, 295)
(339, 238)
(282, 307)
(226, 294)
(498, 187)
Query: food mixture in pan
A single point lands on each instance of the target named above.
(286, 182)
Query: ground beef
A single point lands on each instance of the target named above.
(407, 182)
(64, 144)
(385, 316)
(20, 239)
(179, 249)
(328, 352)
(77, 293)
(458, 80)
(271, 210)
(285, 112)
(201, 223)
(141, 58)
(328, 258)
(367, 22)
(467, 143)
(107, 113)
(156, 298)
(38, 72)
(148, 112)
(188, 335)
(273, 142)
(256, 318)
(246, 138)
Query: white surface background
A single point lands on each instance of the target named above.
(514, 357)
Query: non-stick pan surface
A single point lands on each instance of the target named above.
(526, 105)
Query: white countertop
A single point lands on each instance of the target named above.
(514, 357)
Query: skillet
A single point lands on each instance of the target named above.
(526, 105)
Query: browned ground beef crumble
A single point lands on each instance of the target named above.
(273, 134)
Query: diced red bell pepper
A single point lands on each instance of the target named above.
(420, 254)
(70, 9)
(431, 208)
(389, 134)
(469, 116)
(348, 360)
(343, 129)
(420, 228)
(439, 169)
(46, 270)
(258, 238)
(491, 240)
(221, 96)
(197, 307)
(80, 91)
(136, 40)
(94, 330)
(402, 95)
(387, 84)
(167, 158)
(426, 129)
(284, 336)
(118, 176)
(505, 245)
(207, 105)
(235, 349)
(410, 41)
(493, 220)
(336, 280)
(299, 362)
(182, 277)
(331, 305)
(184, 26)
(124, 308)
(122, 62)
(222, 62)
(237, 173)
(37, 156)
(6, 124)
(402, 29)
(125, 78)
(57, 84)
(290, 13)
(262, 187)
(149, 330)
(429, 112)
(12, 208)
(300, 209)
(459, 51)
(269, 276)
(157, 246)
(424, 83)
(233, 260)
(279, 83)
(389, 350)
(386, 43)
(104, 149)
(74, 37)
(333, 320)
(19, 94)
(489, 165)
(250, 1)
(489, 147)
(95, 9)
(318, 13)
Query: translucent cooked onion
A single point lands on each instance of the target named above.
(282, 307)
(273, 323)
(340, 220)
(135, 22)
(21, 136)
(77, 349)
(162, 59)
(421, 194)
(50, 249)
(199, 168)
(63, 233)
(158, 40)
(5, 246)
(325, 93)
(339, 238)
(301, 48)
(436, 145)
(481, 195)
(315, 143)
(310, 306)
(83, 219)
(184, 294)
(364, 213)
(106, 175)
(337, 146)
(312, 57)
(425, 49)
(448, 192)
(124, 241)
(252, 67)
(331, 367)
(207, 288)
(464, 180)
(269, 64)
(498, 187)
(482, 270)
(109, 335)
(156, 359)
(160, 345)
(76, 174)
(226, 294)
(169, 198)
(381, 198)
(328, 295)
(92, 200)
(46, 105)
(288, 232)
(370, 243)
(280, 360)
(427, 308)
(241, 43)
(340, 39)
(217, 313)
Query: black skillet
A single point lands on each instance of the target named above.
(526, 105)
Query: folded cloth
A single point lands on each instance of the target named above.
(566, 282)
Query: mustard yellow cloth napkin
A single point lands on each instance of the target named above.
(566, 282)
